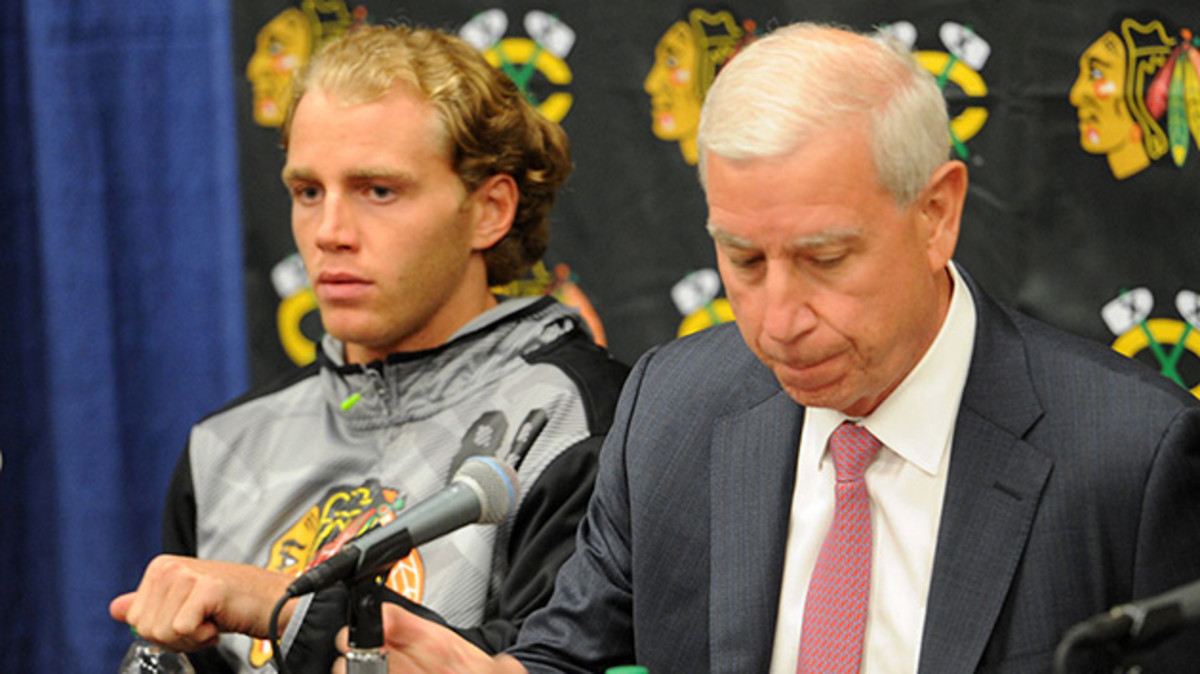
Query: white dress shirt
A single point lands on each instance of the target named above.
(906, 484)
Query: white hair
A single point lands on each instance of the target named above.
(785, 88)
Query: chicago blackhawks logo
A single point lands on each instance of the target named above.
(958, 75)
(285, 44)
(1137, 95)
(1165, 340)
(695, 296)
(343, 513)
(537, 64)
(296, 318)
(686, 60)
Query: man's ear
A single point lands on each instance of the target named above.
(494, 205)
(939, 211)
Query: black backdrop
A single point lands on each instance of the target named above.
(1049, 225)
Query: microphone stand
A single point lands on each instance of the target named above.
(367, 654)
(365, 620)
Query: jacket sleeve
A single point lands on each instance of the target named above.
(179, 538)
(1168, 545)
(542, 538)
(179, 512)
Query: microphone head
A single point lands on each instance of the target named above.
(494, 482)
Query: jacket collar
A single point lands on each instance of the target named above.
(417, 384)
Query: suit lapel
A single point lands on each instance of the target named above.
(992, 494)
(991, 500)
(753, 465)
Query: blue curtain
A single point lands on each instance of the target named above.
(122, 313)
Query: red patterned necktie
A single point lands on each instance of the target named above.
(835, 612)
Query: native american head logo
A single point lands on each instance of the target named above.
(343, 513)
(285, 44)
(1138, 94)
(686, 60)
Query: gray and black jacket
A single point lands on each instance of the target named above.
(283, 475)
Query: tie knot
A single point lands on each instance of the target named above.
(853, 447)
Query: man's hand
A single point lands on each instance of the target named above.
(418, 645)
(184, 603)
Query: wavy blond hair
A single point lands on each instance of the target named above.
(488, 126)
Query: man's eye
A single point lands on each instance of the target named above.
(827, 261)
(306, 194)
(380, 193)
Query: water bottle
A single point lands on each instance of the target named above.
(145, 657)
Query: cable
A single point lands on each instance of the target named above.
(1062, 654)
(273, 633)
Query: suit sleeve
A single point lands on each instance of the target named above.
(1168, 542)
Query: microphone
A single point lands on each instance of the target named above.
(483, 491)
(1137, 623)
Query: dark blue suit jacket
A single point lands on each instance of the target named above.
(1074, 485)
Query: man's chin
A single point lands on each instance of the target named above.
(829, 395)
(353, 332)
(837, 395)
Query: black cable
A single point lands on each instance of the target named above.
(273, 633)
(1064, 651)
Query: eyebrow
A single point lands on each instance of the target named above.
(300, 173)
(827, 237)
(291, 174)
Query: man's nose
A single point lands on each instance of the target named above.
(337, 227)
(787, 310)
